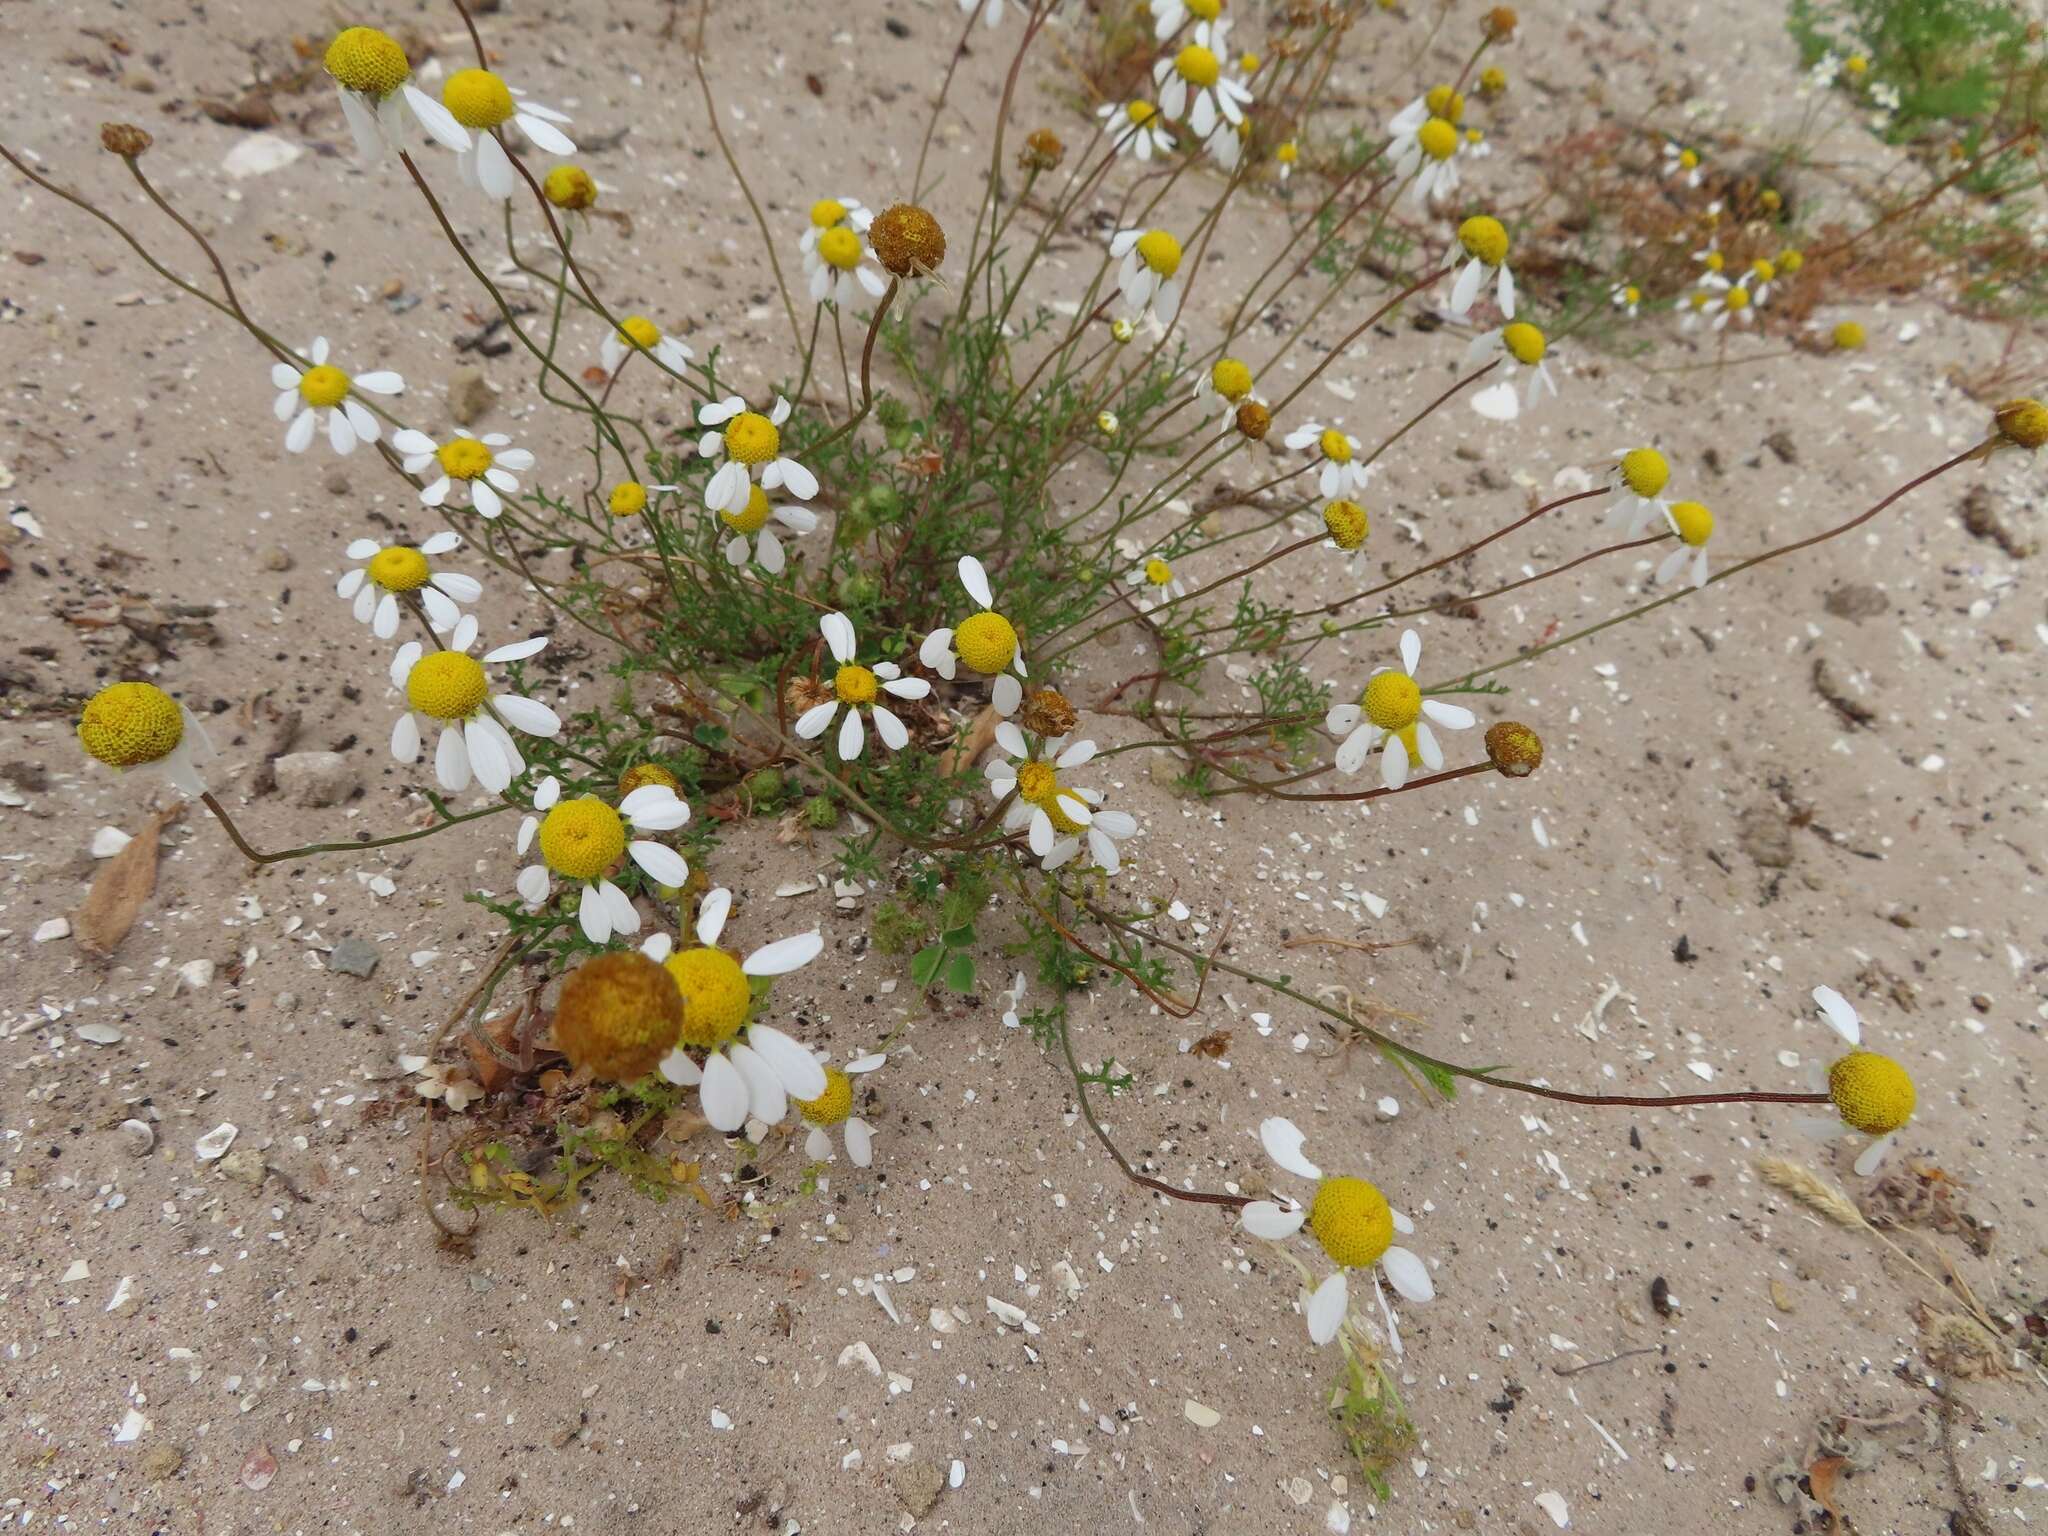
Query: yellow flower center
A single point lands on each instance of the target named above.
(716, 997)
(401, 568)
(1701, 300)
(1524, 342)
(1159, 251)
(1335, 445)
(752, 518)
(1445, 103)
(1688, 159)
(1141, 112)
(1206, 10)
(833, 1105)
(1158, 572)
(1695, 524)
(1645, 471)
(1849, 336)
(129, 723)
(1249, 63)
(1352, 1221)
(446, 685)
(581, 839)
(1873, 1093)
(367, 61)
(1439, 140)
(477, 98)
(628, 499)
(2023, 423)
(639, 331)
(1233, 380)
(1856, 64)
(640, 775)
(1198, 66)
(1288, 153)
(1036, 783)
(569, 186)
(1715, 261)
(1791, 260)
(1737, 299)
(1763, 270)
(1485, 238)
(752, 438)
(1493, 81)
(826, 212)
(840, 247)
(1474, 136)
(987, 642)
(463, 458)
(323, 386)
(1392, 701)
(618, 1015)
(1346, 521)
(1632, 294)
(855, 685)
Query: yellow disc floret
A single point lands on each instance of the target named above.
(716, 997)
(1445, 103)
(1645, 471)
(1140, 113)
(1232, 379)
(1791, 260)
(618, 1015)
(1849, 336)
(581, 839)
(1513, 748)
(1438, 139)
(752, 517)
(1352, 1221)
(1158, 572)
(1763, 270)
(129, 723)
(1737, 300)
(1688, 159)
(477, 98)
(367, 61)
(1392, 701)
(1714, 261)
(1695, 524)
(1036, 783)
(1288, 153)
(628, 499)
(1524, 342)
(855, 685)
(1872, 1093)
(833, 1105)
(752, 438)
(840, 247)
(569, 186)
(987, 642)
(639, 331)
(401, 568)
(446, 685)
(1492, 81)
(826, 212)
(463, 458)
(1198, 66)
(1484, 237)
(1347, 523)
(2023, 423)
(323, 386)
(1159, 251)
(1205, 10)
(640, 775)
(1335, 445)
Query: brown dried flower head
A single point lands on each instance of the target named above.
(618, 1015)
(1254, 420)
(125, 140)
(1042, 151)
(1514, 749)
(1499, 23)
(1047, 713)
(802, 693)
(907, 240)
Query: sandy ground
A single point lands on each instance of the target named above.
(1709, 840)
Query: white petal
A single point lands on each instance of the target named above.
(784, 956)
(300, 434)
(895, 736)
(1408, 1274)
(723, 1094)
(382, 382)
(442, 614)
(817, 1145)
(655, 808)
(1011, 739)
(975, 580)
(770, 549)
(1357, 747)
(494, 770)
(796, 1067)
(837, 629)
(451, 760)
(851, 736)
(494, 171)
(1041, 832)
(1873, 1155)
(1840, 1015)
(1328, 1306)
(1006, 695)
(384, 617)
(1394, 763)
(679, 1066)
(1452, 717)
(1275, 1223)
(546, 137)
(548, 795)
(594, 914)
(766, 1100)
(485, 498)
(1411, 651)
(1343, 720)
(860, 1142)
(405, 739)
(1282, 1140)
(463, 589)
(711, 914)
(1426, 747)
(665, 865)
(1466, 288)
(528, 715)
(436, 119)
(800, 482)
(867, 1063)
(1075, 755)
(812, 722)
(907, 687)
(434, 544)
(414, 443)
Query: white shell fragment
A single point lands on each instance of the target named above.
(214, 1145)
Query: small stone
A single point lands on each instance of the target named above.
(1855, 600)
(315, 779)
(99, 1034)
(337, 483)
(244, 1167)
(470, 396)
(287, 1002)
(1780, 443)
(276, 558)
(55, 928)
(109, 841)
(259, 155)
(213, 1146)
(380, 1212)
(195, 976)
(162, 1464)
(917, 1486)
(353, 957)
(1765, 836)
(1201, 1415)
(140, 1136)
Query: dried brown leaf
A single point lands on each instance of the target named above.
(115, 900)
(1822, 1476)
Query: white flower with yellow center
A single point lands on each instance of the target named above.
(1191, 82)
(1054, 813)
(857, 688)
(449, 691)
(125, 725)
(1424, 143)
(1681, 163)
(1694, 525)
(373, 79)
(1149, 277)
(751, 534)
(747, 440)
(637, 333)
(1717, 301)
(306, 394)
(1169, 16)
(1136, 128)
(738, 1068)
(1626, 297)
(483, 465)
(834, 1108)
(1286, 157)
(1342, 475)
(1393, 708)
(483, 103)
(1230, 382)
(1523, 352)
(837, 259)
(1638, 499)
(1154, 573)
(390, 573)
(1351, 1222)
(986, 641)
(582, 840)
(831, 213)
(1873, 1094)
(1485, 242)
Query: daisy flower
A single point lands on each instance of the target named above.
(1873, 1094)
(1626, 297)
(832, 213)
(1486, 248)
(835, 1107)
(305, 393)
(737, 1067)
(1718, 301)
(1347, 525)
(481, 101)
(858, 688)
(1425, 143)
(1053, 813)
(1758, 279)
(1149, 276)
(1285, 157)
(1637, 500)
(751, 534)
(1191, 83)
(439, 1080)
(1106, 830)
(637, 333)
(836, 256)
(128, 724)
(1137, 129)
(1681, 163)
(1393, 707)
(484, 464)
(1353, 1225)
(373, 78)
(1169, 16)
(583, 839)
(1155, 573)
(449, 690)
(986, 641)
(1231, 382)
(1521, 349)
(744, 438)
(390, 571)
(1694, 525)
(1342, 475)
